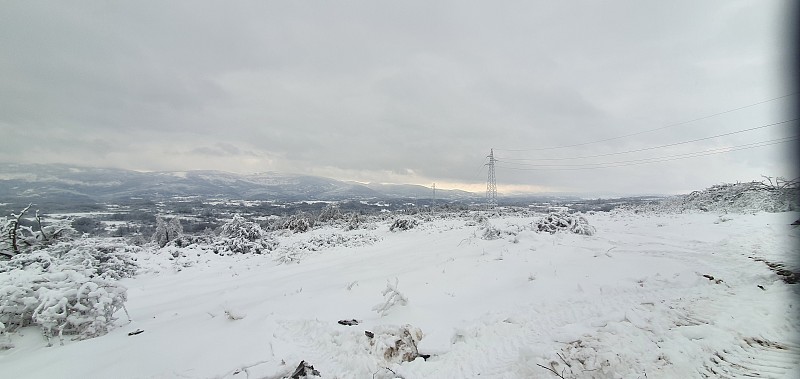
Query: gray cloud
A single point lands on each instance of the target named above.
(401, 91)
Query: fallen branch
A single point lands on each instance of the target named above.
(552, 370)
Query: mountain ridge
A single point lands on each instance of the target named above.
(107, 184)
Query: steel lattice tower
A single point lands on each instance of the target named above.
(491, 183)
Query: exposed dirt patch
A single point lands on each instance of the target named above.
(788, 276)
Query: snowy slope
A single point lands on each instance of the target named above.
(631, 301)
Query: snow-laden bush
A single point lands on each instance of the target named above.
(769, 196)
(353, 221)
(66, 289)
(327, 241)
(743, 197)
(299, 223)
(66, 302)
(109, 259)
(403, 224)
(167, 231)
(490, 232)
(239, 236)
(392, 297)
(330, 213)
(19, 235)
(555, 222)
(296, 251)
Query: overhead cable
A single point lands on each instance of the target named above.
(655, 129)
(602, 165)
(654, 147)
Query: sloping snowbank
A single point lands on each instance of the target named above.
(672, 295)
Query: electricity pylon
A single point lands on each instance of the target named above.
(433, 207)
(491, 183)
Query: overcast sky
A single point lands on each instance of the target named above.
(403, 91)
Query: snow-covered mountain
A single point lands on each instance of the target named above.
(58, 181)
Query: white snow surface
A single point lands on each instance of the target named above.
(629, 301)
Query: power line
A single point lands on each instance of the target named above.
(653, 130)
(689, 155)
(655, 147)
(590, 166)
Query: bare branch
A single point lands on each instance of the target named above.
(552, 370)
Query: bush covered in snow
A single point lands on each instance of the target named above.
(490, 232)
(239, 236)
(106, 258)
(19, 235)
(555, 222)
(354, 221)
(744, 197)
(67, 289)
(330, 213)
(297, 250)
(403, 224)
(776, 195)
(299, 223)
(392, 297)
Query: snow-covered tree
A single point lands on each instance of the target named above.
(18, 235)
(330, 213)
(392, 297)
(167, 231)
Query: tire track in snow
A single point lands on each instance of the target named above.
(755, 358)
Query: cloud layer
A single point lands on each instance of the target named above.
(414, 92)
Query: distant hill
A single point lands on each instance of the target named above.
(58, 182)
(417, 191)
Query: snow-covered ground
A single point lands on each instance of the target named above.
(646, 296)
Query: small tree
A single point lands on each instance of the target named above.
(330, 213)
(392, 297)
(167, 231)
(18, 238)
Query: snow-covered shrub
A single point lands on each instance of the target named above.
(353, 221)
(296, 251)
(778, 196)
(86, 312)
(392, 297)
(744, 197)
(330, 213)
(239, 236)
(95, 257)
(299, 223)
(403, 224)
(238, 227)
(67, 289)
(490, 233)
(19, 235)
(205, 239)
(327, 241)
(555, 222)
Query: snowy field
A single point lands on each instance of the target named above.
(646, 296)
